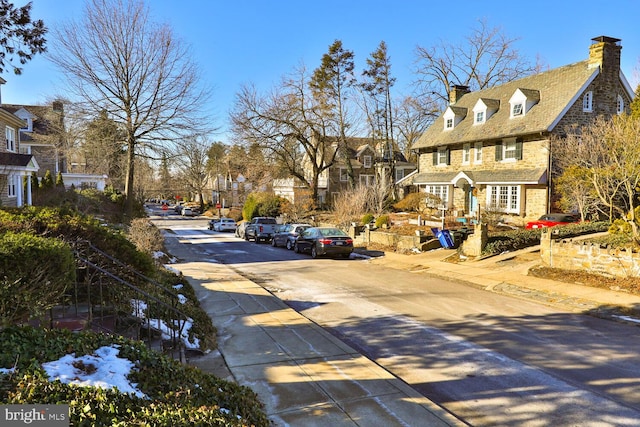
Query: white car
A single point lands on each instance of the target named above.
(224, 224)
(186, 211)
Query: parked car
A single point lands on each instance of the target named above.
(186, 211)
(551, 220)
(225, 224)
(286, 234)
(321, 241)
(260, 228)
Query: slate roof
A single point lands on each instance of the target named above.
(512, 176)
(556, 89)
(14, 159)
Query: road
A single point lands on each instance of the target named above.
(490, 359)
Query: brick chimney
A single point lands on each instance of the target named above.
(456, 92)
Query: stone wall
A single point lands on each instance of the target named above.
(569, 255)
(397, 241)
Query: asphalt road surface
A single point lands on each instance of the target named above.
(490, 359)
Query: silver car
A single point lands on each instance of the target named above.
(286, 234)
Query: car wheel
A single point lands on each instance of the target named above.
(273, 243)
(289, 245)
(314, 252)
(257, 240)
(296, 249)
(246, 237)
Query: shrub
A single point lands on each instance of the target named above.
(261, 204)
(518, 239)
(145, 236)
(382, 220)
(412, 202)
(26, 291)
(177, 394)
(366, 218)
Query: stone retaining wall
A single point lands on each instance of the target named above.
(569, 255)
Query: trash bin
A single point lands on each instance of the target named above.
(445, 238)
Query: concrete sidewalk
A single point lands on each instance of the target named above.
(303, 374)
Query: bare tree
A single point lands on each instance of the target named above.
(191, 159)
(288, 124)
(608, 153)
(117, 60)
(487, 59)
(412, 118)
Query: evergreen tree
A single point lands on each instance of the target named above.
(331, 83)
(47, 182)
(20, 36)
(59, 180)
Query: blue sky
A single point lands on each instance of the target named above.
(259, 41)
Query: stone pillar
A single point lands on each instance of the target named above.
(546, 246)
(476, 242)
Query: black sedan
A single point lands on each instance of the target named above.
(324, 241)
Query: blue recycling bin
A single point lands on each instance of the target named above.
(446, 239)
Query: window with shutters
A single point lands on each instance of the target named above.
(509, 150)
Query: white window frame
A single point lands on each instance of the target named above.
(466, 153)
(479, 117)
(367, 180)
(442, 156)
(448, 123)
(620, 105)
(504, 198)
(478, 153)
(509, 150)
(517, 109)
(11, 186)
(344, 175)
(10, 136)
(366, 161)
(441, 191)
(587, 102)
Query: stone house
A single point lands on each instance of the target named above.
(490, 148)
(370, 168)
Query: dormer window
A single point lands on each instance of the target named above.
(452, 116)
(587, 102)
(448, 123)
(29, 125)
(522, 101)
(516, 110)
(620, 105)
(484, 109)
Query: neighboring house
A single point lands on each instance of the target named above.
(14, 165)
(490, 148)
(42, 137)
